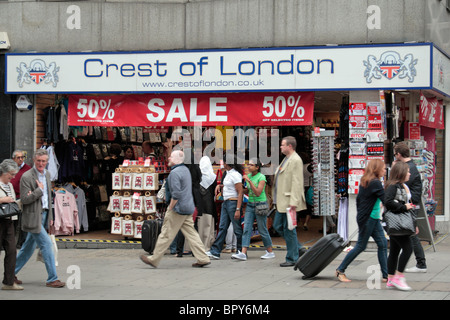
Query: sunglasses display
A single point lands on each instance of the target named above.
(324, 200)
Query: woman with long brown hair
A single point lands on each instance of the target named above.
(398, 199)
(368, 205)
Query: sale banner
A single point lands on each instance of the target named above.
(431, 113)
(200, 109)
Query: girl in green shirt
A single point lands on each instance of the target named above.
(256, 185)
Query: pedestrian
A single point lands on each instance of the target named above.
(8, 169)
(289, 195)
(307, 180)
(402, 153)
(179, 215)
(19, 158)
(397, 200)
(232, 192)
(128, 153)
(256, 185)
(207, 213)
(368, 205)
(147, 150)
(36, 198)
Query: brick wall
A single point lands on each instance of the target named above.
(42, 101)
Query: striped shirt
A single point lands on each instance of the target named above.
(7, 189)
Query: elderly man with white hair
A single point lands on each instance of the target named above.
(179, 215)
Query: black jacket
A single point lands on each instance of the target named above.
(414, 183)
(366, 199)
(395, 198)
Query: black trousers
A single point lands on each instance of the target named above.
(397, 260)
(8, 242)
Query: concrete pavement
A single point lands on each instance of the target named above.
(118, 274)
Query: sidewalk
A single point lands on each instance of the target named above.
(118, 274)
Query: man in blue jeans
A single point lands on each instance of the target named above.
(289, 195)
(36, 197)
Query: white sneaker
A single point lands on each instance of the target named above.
(268, 255)
(416, 270)
(13, 287)
(209, 254)
(239, 256)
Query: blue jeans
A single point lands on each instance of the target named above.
(45, 244)
(280, 225)
(227, 217)
(261, 221)
(374, 229)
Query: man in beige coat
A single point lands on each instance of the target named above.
(288, 194)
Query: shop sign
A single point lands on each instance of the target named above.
(234, 70)
(414, 131)
(441, 72)
(375, 148)
(201, 109)
(431, 113)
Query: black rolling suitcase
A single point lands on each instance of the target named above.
(320, 255)
(150, 232)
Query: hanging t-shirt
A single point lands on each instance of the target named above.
(255, 180)
(229, 190)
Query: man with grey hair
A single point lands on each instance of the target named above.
(36, 197)
(179, 215)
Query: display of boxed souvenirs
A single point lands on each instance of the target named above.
(134, 197)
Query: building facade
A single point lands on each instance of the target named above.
(186, 26)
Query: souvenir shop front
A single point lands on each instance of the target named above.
(344, 104)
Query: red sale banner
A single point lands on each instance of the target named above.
(232, 109)
(431, 113)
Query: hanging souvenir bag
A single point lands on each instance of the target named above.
(116, 224)
(117, 181)
(137, 181)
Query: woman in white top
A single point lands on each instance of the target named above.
(8, 169)
(232, 192)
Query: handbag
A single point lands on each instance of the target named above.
(262, 208)
(399, 224)
(9, 209)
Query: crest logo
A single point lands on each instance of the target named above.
(390, 65)
(37, 72)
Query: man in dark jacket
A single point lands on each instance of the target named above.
(178, 215)
(36, 197)
(401, 153)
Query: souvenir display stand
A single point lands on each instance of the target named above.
(324, 201)
(134, 199)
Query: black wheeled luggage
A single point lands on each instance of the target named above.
(320, 255)
(150, 232)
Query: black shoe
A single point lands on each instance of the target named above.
(287, 264)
